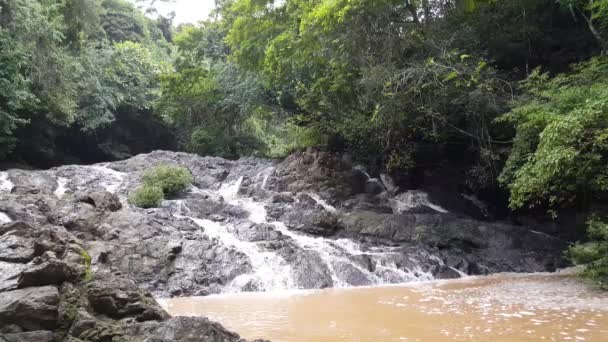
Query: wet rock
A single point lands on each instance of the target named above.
(447, 273)
(373, 186)
(83, 322)
(282, 198)
(33, 336)
(48, 270)
(118, 298)
(28, 182)
(182, 329)
(102, 200)
(315, 222)
(256, 232)
(14, 248)
(32, 308)
(175, 247)
(389, 183)
(309, 269)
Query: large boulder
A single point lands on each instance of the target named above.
(30, 309)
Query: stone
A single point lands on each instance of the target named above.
(102, 200)
(373, 187)
(119, 298)
(32, 336)
(179, 329)
(32, 308)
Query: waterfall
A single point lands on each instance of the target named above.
(341, 257)
(4, 218)
(5, 184)
(61, 186)
(321, 202)
(108, 178)
(413, 199)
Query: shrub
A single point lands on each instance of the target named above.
(170, 179)
(593, 254)
(147, 196)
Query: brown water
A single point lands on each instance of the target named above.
(503, 307)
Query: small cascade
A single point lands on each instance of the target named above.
(322, 202)
(270, 271)
(4, 218)
(5, 184)
(108, 178)
(61, 187)
(362, 170)
(413, 199)
(338, 255)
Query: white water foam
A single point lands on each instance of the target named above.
(4, 218)
(270, 270)
(333, 252)
(322, 202)
(61, 186)
(413, 199)
(108, 178)
(5, 184)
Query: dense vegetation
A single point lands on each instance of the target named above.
(511, 94)
(159, 182)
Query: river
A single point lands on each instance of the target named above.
(502, 307)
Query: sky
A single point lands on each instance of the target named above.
(187, 11)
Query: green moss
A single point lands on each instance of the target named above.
(88, 273)
(147, 196)
(170, 178)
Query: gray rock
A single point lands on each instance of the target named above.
(32, 336)
(32, 308)
(48, 271)
(102, 200)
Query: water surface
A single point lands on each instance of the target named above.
(503, 307)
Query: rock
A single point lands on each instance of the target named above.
(175, 247)
(14, 248)
(179, 329)
(82, 322)
(282, 198)
(373, 187)
(256, 232)
(447, 273)
(388, 183)
(119, 298)
(309, 269)
(32, 308)
(49, 270)
(33, 336)
(102, 200)
(317, 222)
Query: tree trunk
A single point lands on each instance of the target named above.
(594, 31)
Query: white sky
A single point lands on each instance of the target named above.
(186, 11)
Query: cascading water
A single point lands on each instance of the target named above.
(61, 186)
(414, 199)
(5, 184)
(270, 271)
(109, 179)
(4, 218)
(340, 257)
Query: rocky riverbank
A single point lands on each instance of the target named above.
(78, 262)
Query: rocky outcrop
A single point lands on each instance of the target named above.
(53, 296)
(310, 221)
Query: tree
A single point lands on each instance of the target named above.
(561, 148)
